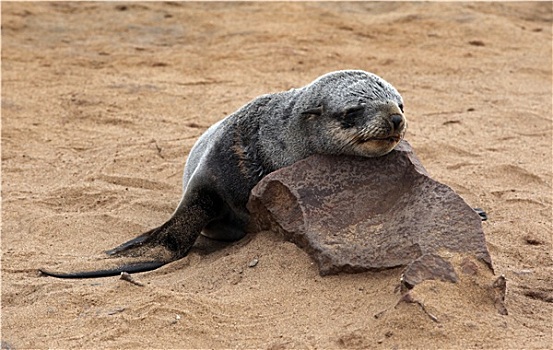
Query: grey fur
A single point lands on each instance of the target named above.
(348, 112)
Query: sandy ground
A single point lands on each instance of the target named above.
(101, 103)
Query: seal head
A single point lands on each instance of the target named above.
(358, 113)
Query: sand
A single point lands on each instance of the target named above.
(101, 103)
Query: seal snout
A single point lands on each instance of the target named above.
(393, 116)
(397, 121)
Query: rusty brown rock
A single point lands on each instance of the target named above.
(499, 288)
(428, 267)
(354, 214)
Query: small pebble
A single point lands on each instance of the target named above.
(253, 263)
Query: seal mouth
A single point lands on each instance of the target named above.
(390, 139)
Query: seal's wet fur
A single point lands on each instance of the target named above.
(345, 112)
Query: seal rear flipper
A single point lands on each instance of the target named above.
(155, 248)
(129, 268)
(140, 255)
(133, 243)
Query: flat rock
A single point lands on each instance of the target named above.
(353, 214)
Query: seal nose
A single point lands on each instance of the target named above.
(397, 121)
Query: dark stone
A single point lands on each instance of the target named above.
(354, 214)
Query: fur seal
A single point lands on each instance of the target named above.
(349, 112)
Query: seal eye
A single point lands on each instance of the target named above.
(401, 107)
(352, 116)
(355, 112)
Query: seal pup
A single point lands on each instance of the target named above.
(349, 112)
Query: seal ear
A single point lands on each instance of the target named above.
(313, 112)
